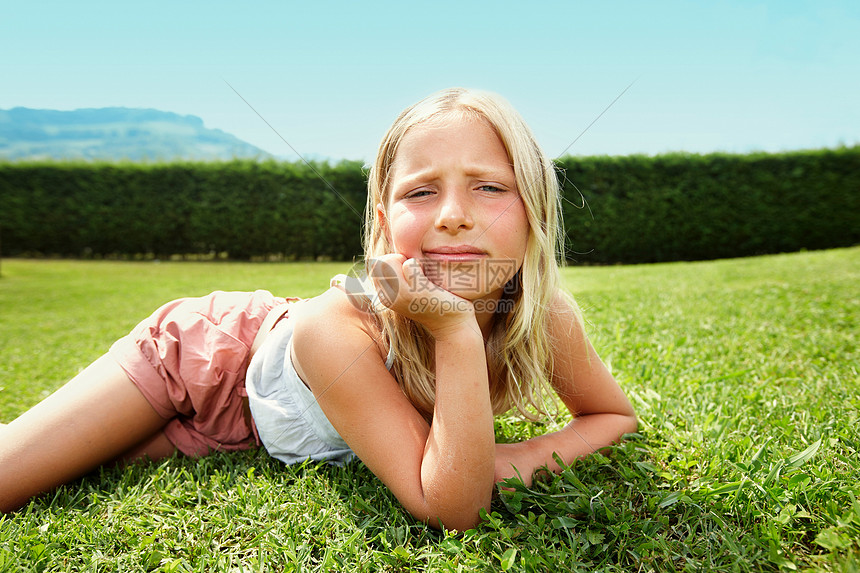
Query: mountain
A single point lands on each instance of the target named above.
(115, 133)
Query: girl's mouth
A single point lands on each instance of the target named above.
(455, 254)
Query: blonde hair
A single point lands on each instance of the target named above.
(519, 349)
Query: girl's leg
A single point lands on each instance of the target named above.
(153, 448)
(95, 418)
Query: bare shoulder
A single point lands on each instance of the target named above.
(565, 321)
(580, 377)
(575, 364)
(337, 351)
(330, 325)
(332, 308)
(332, 305)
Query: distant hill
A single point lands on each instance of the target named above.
(115, 133)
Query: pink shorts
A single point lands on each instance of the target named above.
(189, 360)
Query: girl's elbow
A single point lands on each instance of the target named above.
(458, 522)
(456, 501)
(461, 526)
(455, 516)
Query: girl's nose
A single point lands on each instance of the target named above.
(454, 213)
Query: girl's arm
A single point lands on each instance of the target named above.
(602, 413)
(442, 473)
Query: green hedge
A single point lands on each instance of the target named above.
(690, 207)
(241, 208)
(639, 209)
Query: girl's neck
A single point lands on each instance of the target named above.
(487, 315)
(485, 322)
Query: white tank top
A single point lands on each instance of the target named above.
(289, 420)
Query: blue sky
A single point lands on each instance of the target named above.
(331, 76)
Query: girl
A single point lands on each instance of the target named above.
(466, 320)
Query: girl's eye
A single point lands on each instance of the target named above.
(491, 189)
(416, 194)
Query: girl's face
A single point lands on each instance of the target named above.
(454, 205)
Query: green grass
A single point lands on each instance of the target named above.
(744, 374)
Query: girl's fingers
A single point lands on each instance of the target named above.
(416, 281)
(387, 276)
(402, 286)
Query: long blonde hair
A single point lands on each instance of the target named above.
(519, 349)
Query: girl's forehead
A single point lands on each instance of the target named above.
(450, 129)
(462, 141)
(448, 119)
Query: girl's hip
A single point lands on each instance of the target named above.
(189, 359)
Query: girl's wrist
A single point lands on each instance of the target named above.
(462, 331)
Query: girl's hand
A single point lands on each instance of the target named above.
(404, 288)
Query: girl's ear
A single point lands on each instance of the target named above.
(380, 220)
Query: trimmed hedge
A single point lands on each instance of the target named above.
(242, 208)
(640, 209)
(691, 207)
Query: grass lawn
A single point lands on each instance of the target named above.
(744, 374)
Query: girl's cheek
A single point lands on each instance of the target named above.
(403, 238)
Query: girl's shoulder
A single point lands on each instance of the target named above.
(337, 306)
(564, 315)
(570, 346)
(334, 322)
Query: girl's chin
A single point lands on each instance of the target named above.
(471, 294)
(472, 281)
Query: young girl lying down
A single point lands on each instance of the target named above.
(461, 318)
